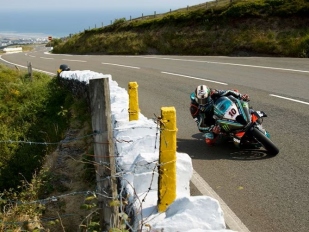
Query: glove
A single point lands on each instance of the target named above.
(216, 129)
(244, 97)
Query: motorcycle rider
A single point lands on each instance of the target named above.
(202, 110)
(62, 67)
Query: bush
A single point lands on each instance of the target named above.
(303, 48)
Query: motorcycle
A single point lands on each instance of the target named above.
(242, 124)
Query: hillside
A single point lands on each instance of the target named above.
(225, 27)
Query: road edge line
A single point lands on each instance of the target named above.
(232, 221)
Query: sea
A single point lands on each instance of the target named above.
(60, 23)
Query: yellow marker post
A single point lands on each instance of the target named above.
(167, 159)
(133, 101)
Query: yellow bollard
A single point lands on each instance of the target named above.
(133, 101)
(167, 159)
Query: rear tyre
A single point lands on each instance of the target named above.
(266, 142)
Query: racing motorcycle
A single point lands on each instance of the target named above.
(242, 124)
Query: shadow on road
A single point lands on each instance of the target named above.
(222, 150)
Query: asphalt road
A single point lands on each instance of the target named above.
(270, 194)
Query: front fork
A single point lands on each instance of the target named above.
(244, 136)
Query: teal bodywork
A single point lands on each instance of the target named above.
(221, 107)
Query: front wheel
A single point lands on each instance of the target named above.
(265, 141)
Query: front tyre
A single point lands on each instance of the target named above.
(265, 141)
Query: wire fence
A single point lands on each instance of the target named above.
(206, 5)
(126, 208)
(127, 196)
(50, 143)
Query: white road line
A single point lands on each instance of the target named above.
(196, 78)
(49, 73)
(122, 65)
(31, 56)
(290, 99)
(46, 58)
(48, 53)
(264, 67)
(75, 60)
(232, 221)
(234, 64)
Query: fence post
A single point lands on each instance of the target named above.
(133, 101)
(167, 159)
(30, 70)
(104, 152)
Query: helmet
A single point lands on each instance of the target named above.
(202, 92)
(64, 67)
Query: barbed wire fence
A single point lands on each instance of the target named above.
(206, 5)
(130, 203)
(125, 208)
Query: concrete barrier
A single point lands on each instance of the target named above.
(11, 50)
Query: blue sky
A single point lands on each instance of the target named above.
(96, 4)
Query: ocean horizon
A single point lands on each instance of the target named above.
(61, 23)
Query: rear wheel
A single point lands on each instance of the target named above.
(265, 141)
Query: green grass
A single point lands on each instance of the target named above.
(29, 112)
(35, 115)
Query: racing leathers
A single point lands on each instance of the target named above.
(203, 114)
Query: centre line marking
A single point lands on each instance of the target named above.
(290, 99)
(75, 60)
(196, 78)
(120, 65)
